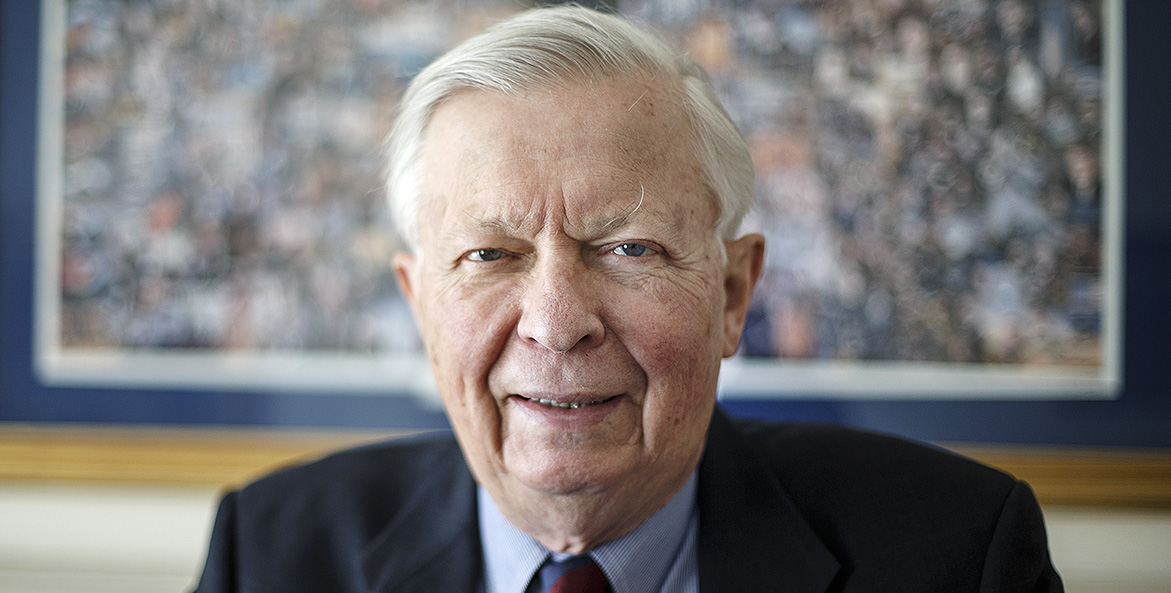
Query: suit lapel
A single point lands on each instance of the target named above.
(433, 544)
(751, 535)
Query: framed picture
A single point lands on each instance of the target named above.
(939, 185)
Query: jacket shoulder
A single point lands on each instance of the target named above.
(360, 488)
(868, 491)
(312, 527)
(308, 528)
(897, 515)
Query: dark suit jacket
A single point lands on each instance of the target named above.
(783, 508)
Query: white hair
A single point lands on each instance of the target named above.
(543, 47)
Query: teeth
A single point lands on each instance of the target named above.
(567, 405)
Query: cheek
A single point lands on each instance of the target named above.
(464, 334)
(682, 372)
(459, 325)
(678, 343)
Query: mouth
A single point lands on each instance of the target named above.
(567, 405)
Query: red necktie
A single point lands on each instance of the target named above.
(578, 574)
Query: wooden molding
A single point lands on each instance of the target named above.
(230, 457)
(1075, 476)
(215, 457)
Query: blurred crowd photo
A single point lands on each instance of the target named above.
(929, 172)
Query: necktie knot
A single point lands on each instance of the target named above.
(576, 574)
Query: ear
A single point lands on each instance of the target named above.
(404, 271)
(745, 261)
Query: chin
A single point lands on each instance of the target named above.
(570, 472)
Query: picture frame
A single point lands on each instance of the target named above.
(1109, 451)
(401, 370)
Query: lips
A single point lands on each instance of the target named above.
(569, 405)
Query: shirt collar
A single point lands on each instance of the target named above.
(637, 562)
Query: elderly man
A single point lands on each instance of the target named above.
(571, 191)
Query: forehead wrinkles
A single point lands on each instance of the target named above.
(520, 161)
(616, 120)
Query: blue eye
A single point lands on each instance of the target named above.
(632, 249)
(485, 255)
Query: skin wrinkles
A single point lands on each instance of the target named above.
(554, 182)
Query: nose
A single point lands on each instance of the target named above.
(560, 307)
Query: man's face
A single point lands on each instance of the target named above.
(570, 290)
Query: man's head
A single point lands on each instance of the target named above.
(548, 47)
(570, 275)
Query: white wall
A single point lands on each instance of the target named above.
(57, 538)
(1111, 551)
(60, 538)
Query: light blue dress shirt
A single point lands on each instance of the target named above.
(658, 556)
